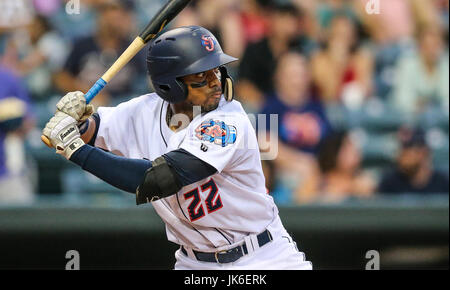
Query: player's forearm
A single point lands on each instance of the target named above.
(128, 174)
(123, 173)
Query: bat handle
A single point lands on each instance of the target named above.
(96, 88)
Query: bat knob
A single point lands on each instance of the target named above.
(46, 141)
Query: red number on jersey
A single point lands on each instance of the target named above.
(213, 201)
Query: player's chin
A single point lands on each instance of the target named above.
(209, 108)
(211, 104)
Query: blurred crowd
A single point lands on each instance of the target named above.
(361, 94)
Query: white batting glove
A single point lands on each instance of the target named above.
(63, 133)
(74, 105)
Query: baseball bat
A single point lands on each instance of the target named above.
(155, 26)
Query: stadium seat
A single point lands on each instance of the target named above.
(80, 187)
(44, 111)
(439, 143)
(75, 180)
(435, 117)
(338, 116)
(374, 116)
(378, 150)
(49, 164)
(377, 116)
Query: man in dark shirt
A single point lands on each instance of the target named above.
(414, 172)
(92, 56)
(260, 59)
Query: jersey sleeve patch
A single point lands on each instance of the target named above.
(217, 132)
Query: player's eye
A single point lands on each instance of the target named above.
(201, 75)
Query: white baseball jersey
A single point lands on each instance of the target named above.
(213, 213)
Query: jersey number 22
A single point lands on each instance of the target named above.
(213, 201)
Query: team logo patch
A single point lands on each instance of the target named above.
(208, 42)
(216, 132)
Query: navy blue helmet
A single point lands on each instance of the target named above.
(181, 52)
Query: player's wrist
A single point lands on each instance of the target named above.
(70, 141)
(71, 148)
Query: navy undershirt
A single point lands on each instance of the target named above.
(128, 174)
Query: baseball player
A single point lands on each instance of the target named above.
(191, 151)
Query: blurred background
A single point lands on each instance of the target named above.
(361, 92)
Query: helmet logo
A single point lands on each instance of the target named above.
(208, 42)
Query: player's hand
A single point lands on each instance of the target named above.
(74, 105)
(63, 133)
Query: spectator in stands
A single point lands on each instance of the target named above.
(392, 34)
(258, 64)
(399, 19)
(443, 11)
(73, 19)
(422, 78)
(15, 13)
(254, 19)
(342, 70)
(302, 125)
(220, 17)
(46, 7)
(93, 55)
(37, 56)
(15, 122)
(414, 172)
(328, 9)
(341, 174)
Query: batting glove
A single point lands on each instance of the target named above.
(74, 105)
(63, 133)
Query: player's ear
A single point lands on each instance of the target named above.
(227, 84)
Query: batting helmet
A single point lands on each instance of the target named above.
(181, 52)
